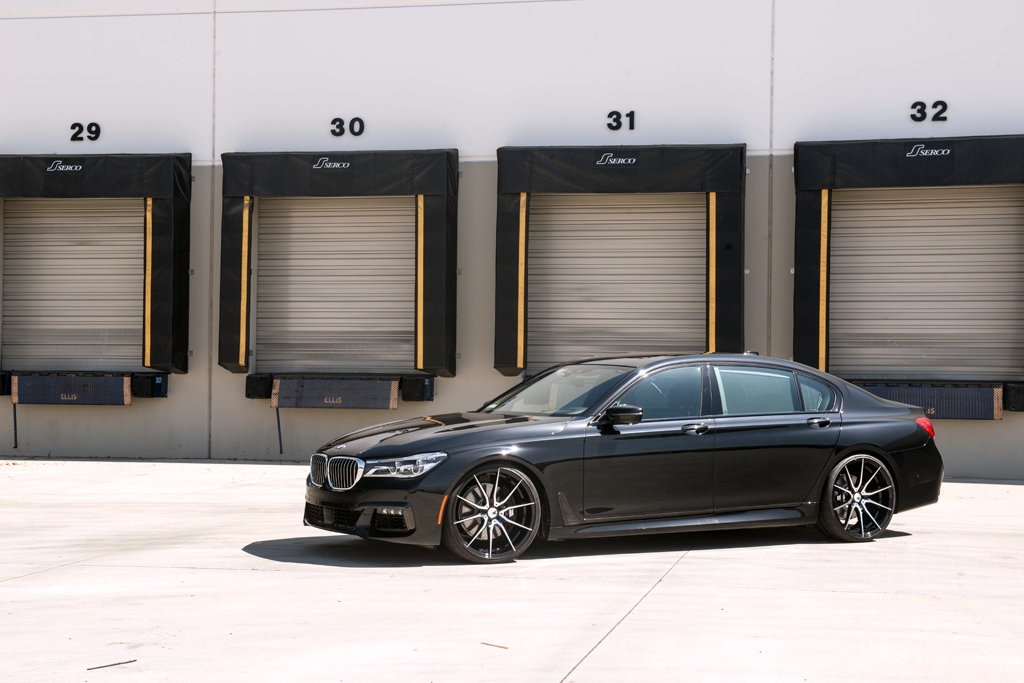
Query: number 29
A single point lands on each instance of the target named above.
(93, 130)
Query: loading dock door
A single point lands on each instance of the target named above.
(73, 284)
(614, 274)
(335, 284)
(927, 283)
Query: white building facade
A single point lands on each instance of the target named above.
(234, 230)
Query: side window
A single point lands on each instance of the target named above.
(818, 396)
(671, 394)
(747, 390)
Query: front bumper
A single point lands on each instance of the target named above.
(386, 513)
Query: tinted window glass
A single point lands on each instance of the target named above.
(818, 396)
(754, 391)
(566, 391)
(667, 395)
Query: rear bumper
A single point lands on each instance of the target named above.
(921, 472)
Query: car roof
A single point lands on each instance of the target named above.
(649, 361)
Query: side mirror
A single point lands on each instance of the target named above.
(621, 415)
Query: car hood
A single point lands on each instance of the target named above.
(438, 432)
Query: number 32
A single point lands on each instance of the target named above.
(920, 111)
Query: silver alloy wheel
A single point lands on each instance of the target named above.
(859, 500)
(494, 515)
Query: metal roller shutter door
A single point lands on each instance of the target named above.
(614, 274)
(73, 284)
(335, 284)
(927, 283)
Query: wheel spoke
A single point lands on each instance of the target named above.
(875, 502)
(516, 507)
(849, 477)
(483, 527)
(505, 533)
(471, 503)
(849, 517)
(860, 482)
(515, 523)
(874, 493)
(864, 485)
(499, 503)
(873, 520)
(466, 520)
(840, 488)
(494, 491)
(483, 491)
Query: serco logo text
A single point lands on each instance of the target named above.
(608, 159)
(59, 165)
(920, 151)
(324, 162)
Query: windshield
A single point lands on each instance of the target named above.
(566, 391)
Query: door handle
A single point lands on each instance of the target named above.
(695, 429)
(819, 422)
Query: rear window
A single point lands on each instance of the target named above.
(746, 390)
(817, 396)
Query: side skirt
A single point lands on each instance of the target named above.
(751, 519)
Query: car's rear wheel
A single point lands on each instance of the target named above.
(493, 515)
(858, 501)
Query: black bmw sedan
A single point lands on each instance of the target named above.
(618, 446)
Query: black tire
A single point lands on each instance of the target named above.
(493, 515)
(858, 501)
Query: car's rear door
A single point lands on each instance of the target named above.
(662, 465)
(774, 433)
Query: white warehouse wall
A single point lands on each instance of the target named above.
(216, 76)
(482, 76)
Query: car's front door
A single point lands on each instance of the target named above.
(775, 431)
(662, 465)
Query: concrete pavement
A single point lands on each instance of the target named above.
(142, 571)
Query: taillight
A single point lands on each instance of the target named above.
(926, 425)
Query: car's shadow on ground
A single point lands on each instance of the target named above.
(351, 551)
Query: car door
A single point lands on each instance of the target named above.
(662, 465)
(774, 432)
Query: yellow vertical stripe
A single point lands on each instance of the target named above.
(823, 283)
(712, 269)
(243, 309)
(147, 335)
(419, 282)
(521, 322)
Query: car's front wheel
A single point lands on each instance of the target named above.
(858, 501)
(493, 515)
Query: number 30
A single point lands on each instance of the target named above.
(355, 126)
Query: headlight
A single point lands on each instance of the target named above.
(404, 468)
